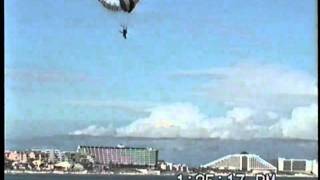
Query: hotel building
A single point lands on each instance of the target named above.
(121, 156)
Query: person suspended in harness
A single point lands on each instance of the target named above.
(124, 31)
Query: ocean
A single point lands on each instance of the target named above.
(101, 177)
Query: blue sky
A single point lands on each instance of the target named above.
(68, 68)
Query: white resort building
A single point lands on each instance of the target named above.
(241, 162)
(298, 166)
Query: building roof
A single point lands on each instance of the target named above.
(233, 161)
(291, 159)
(116, 147)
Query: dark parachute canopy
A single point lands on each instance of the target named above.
(120, 5)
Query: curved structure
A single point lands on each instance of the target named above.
(120, 5)
(243, 162)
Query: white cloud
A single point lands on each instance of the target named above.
(303, 123)
(272, 115)
(250, 81)
(263, 101)
(126, 106)
(185, 120)
(255, 79)
(266, 87)
(94, 130)
(240, 114)
(175, 120)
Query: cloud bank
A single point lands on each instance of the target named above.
(262, 101)
(185, 120)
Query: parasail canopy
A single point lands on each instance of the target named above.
(120, 5)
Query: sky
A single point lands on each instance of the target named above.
(228, 69)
